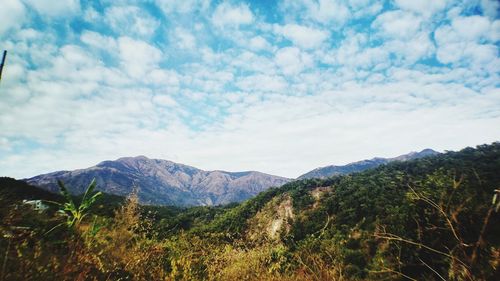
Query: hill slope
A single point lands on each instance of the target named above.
(328, 171)
(423, 218)
(163, 182)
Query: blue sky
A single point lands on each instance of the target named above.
(276, 86)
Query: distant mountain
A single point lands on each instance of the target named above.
(328, 171)
(162, 182)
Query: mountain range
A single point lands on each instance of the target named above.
(329, 171)
(162, 182)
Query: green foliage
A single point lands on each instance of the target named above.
(76, 212)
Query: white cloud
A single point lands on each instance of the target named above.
(258, 43)
(232, 15)
(468, 39)
(246, 99)
(397, 24)
(97, 40)
(365, 8)
(411, 50)
(354, 53)
(490, 8)
(5, 144)
(161, 77)
(182, 6)
(138, 57)
(406, 35)
(91, 15)
(249, 61)
(61, 8)
(302, 36)
(184, 38)
(292, 61)
(130, 20)
(12, 15)
(330, 11)
(334, 13)
(343, 123)
(425, 7)
(164, 100)
(264, 83)
(468, 52)
(474, 28)
(75, 55)
(330, 127)
(208, 80)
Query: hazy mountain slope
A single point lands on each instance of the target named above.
(163, 182)
(359, 166)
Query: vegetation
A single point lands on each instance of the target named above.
(76, 212)
(435, 218)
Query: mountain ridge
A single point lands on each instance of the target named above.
(163, 182)
(358, 166)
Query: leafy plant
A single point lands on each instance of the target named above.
(76, 212)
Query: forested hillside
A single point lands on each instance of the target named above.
(435, 218)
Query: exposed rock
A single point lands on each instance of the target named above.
(272, 220)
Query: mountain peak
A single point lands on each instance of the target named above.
(138, 157)
(133, 159)
(429, 151)
(136, 162)
(414, 155)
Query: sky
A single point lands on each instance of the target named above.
(280, 87)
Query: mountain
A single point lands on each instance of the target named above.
(163, 182)
(420, 219)
(328, 171)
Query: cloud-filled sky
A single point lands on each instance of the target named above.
(280, 87)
